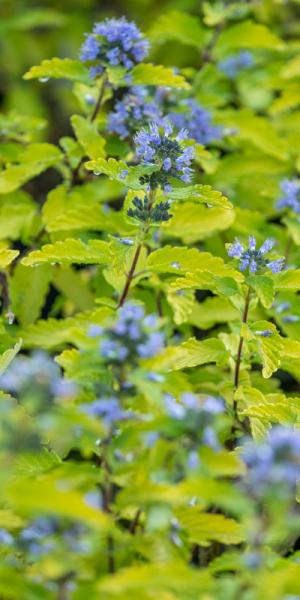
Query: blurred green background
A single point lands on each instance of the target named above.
(33, 31)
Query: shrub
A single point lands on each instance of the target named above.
(150, 352)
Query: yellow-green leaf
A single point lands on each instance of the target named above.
(86, 132)
(178, 26)
(9, 355)
(203, 528)
(69, 251)
(59, 68)
(148, 74)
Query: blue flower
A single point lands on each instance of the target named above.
(235, 63)
(276, 265)
(113, 350)
(196, 121)
(252, 258)
(5, 537)
(95, 331)
(275, 461)
(291, 195)
(158, 146)
(133, 335)
(114, 42)
(133, 112)
(152, 345)
(109, 409)
(173, 407)
(265, 333)
(38, 371)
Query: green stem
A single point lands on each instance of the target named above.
(240, 349)
(130, 275)
(100, 99)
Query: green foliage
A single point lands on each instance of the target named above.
(143, 349)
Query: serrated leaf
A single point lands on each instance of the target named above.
(247, 35)
(51, 333)
(179, 260)
(7, 256)
(287, 280)
(69, 251)
(8, 356)
(112, 168)
(269, 348)
(46, 495)
(17, 215)
(62, 201)
(73, 286)
(178, 26)
(290, 348)
(35, 159)
(203, 194)
(222, 463)
(118, 170)
(190, 354)
(182, 304)
(37, 462)
(192, 222)
(258, 131)
(91, 141)
(157, 579)
(59, 68)
(148, 74)
(272, 412)
(204, 528)
(264, 288)
(91, 217)
(29, 288)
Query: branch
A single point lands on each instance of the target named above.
(93, 116)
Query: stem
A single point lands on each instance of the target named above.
(130, 275)
(93, 116)
(159, 308)
(240, 349)
(135, 522)
(135, 259)
(100, 99)
(106, 500)
(288, 248)
(5, 293)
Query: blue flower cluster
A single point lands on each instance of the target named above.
(291, 195)
(232, 65)
(254, 259)
(196, 414)
(133, 112)
(158, 146)
(285, 307)
(47, 534)
(34, 373)
(114, 42)
(108, 409)
(133, 336)
(274, 462)
(197, 121)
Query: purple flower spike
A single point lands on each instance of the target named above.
(291, 195)
(114, 42)
(253, 259)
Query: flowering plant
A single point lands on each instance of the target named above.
(150, 277)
